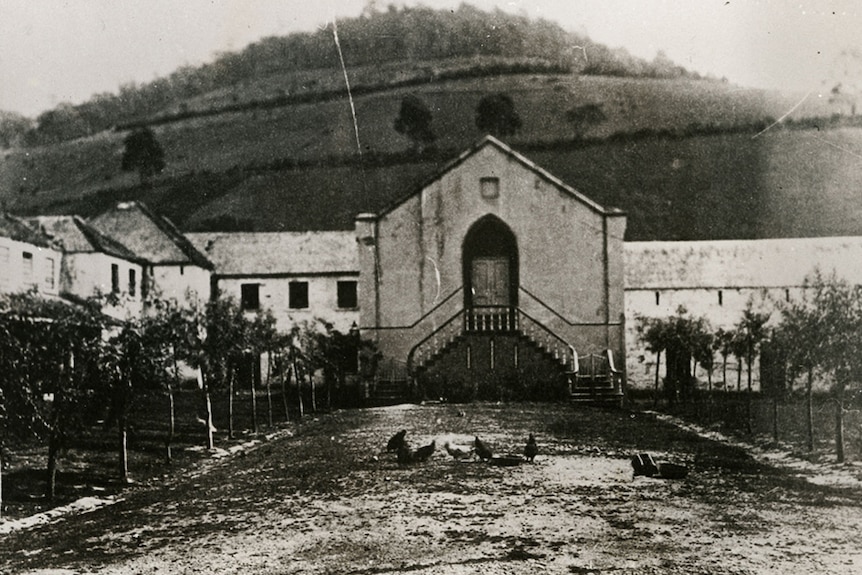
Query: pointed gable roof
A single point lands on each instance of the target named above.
(525, 162)
(74, 235)
(19, 230)
(149, 235)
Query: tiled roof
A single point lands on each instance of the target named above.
(268, 253)
(150, 236)
(740, 263)
(19, 230)
(74, 235)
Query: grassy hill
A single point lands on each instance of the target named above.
(296, 166)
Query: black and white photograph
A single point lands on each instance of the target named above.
(437, 287)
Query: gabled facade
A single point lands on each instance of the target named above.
(492, 245)
(28, 258)
(298, 276)
(175, 268)
(94, 265)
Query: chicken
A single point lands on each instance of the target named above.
(396, 441)
(424, 452)
(482, 450)
(531, 449)
(405, 456)
(459, 452)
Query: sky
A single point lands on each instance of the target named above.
(55, 51)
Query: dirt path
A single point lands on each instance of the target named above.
(329, 500)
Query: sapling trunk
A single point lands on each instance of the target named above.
(657, 378)
(298, 380)
(254, 399)
(230, 378)
(53, 454)
(285, 376)
(839, 423)
(269, 388)
(124, 451)
(809, 409)
(171, 425)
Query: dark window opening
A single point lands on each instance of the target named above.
(298, 295)
(657, 298)
(27, 269)
(347, 295)
(250, 296)
(115, 278)
(720, 298)
(133, 283)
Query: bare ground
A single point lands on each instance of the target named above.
(326, 498)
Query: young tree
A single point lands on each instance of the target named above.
(751, 331)
(497, 116)
(823, 332)
(50, 355)
(167, 333)
(681, 337)
(143, 153)
(414, 121)
(653, 333)
(802, 336)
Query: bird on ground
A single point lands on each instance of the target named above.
(644, 464)
(482, 450)
(405, 456)
(459, 452)
(531, 449)
(424, 452)
(396, 441)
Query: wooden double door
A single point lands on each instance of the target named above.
(491, 282)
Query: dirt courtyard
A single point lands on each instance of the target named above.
(325, 497)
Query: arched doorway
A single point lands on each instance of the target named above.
(490, 268)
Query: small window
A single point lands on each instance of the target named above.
(250, 296)
(347, 295)
(490, 188)
(786, 294)
(720, 297)
(48, 279)
(133, 282)
(115, 278)
(27, 267)
(182, 270)
(298, 295)
(658, 298)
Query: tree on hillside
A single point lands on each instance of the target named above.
(143, 153)
(496, 115)
(584, 117)
(414, 121)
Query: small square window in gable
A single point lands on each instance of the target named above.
(490, 188)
